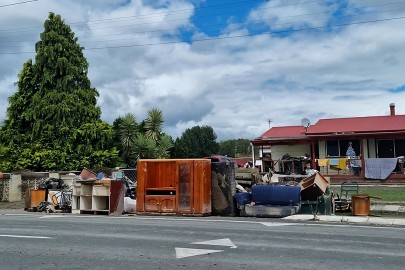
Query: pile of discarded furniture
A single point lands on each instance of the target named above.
(49, 195)
(102, 194)
(310, 196)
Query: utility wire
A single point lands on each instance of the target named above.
(246, 23)
(232, 37)
(18, 3)
(249, 35)
(171, 12)
(162, 30)
(142, 16)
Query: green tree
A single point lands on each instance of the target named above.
(197, 142)
(54, 111)
(235, 148)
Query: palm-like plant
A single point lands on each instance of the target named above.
(144, 142)
(163, 147)
(128, 129)
(153, 124)
(144, 147)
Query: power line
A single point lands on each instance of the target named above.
(246, 22)
(248, 35)
(142, 16)
(18, 3)
(175, 11)
(235, 36)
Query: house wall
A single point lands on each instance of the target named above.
(277, 151)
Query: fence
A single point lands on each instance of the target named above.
(130, 173)
(4, 187)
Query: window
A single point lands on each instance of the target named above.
(390, 148)
(399, 147)
(338, 148)
(332, 148)
(385, 148)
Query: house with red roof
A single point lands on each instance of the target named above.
(361, 148)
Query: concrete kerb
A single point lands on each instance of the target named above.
(360, 220)
(398, 210)
(357, 220)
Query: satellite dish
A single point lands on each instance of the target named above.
(305, 122)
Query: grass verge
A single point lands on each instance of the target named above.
(387, 194)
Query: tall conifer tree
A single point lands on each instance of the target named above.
(55, 109)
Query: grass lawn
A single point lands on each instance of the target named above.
(387, 194)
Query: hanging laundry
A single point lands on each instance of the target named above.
(342, 163)
(334, 161)
(323, 162)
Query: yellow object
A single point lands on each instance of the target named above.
(323, 162)
(342, 163)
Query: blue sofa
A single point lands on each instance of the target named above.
(269, 201)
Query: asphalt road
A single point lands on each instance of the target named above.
(35, 241)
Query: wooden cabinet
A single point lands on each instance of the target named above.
(98, 197)
(160, 200)
(181, 186)
(36, 197)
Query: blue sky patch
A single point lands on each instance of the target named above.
(213, 16)
(397, 89)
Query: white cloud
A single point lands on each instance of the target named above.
(234, 85)
(279, 14)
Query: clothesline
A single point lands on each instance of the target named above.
(334, 163)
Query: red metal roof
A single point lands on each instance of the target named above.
(334, 127)
(284, 132)
(368, 124)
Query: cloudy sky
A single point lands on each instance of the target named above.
(230, 64)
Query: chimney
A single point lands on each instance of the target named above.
(392, 109)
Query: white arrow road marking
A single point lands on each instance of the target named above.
(219, 242)
(189, 252)
(276, 224)
(25, 236)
